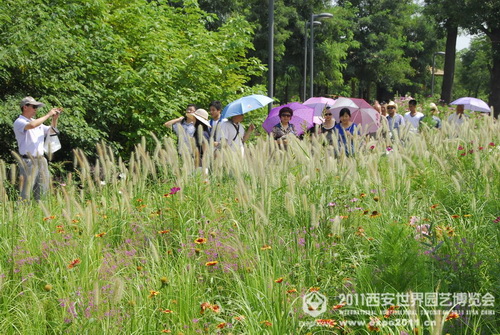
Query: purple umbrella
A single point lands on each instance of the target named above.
(302, 117)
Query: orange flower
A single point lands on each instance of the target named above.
(434, 206)
(74, 263)
(166, 311)
(372, 325)
(326, 322)
(362, 195)
(52, 217)
(266, 323)
(166, 231)
(239, 318)
(314, 289)
(339, 306)
(455, 216)
(166, 331)
(467, 215)
(391, 310)
(60, 229)
(344, 216)
(450, 231)
(204, 306)
(279, 280)
(153, 293)
(293, 290)
(75, 221)
(452, 315)
(360, 231)
(100, 234)
(266, 247)
(376, 198)
(212, 263)
(200, 240)
(215, 308)
(221, 325)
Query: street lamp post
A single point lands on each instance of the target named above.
(311, 46)
(306, 24)
(270, 89)
(433, 69)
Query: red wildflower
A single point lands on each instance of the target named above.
(339, 306)
(200, 240)
(326, 322)
(221, 325)
(74, 263)
(212, 263)
(279, 280)
(452, 315)
(100, 234)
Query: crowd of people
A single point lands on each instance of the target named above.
(230, 132)
(197, 133)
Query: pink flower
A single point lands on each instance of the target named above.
(389, 148)
(492, 144)
(372, 147)
(460, 147)
(174, 190)
(497, 220)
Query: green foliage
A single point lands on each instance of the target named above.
(120, 69)
(473, 72)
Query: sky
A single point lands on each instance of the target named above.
(463, 41)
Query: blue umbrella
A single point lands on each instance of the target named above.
(245, 105)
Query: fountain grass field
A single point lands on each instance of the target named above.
(402, 238)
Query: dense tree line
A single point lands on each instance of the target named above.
(121, 68)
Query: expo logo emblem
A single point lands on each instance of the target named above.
(314, 303)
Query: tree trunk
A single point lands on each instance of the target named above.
(494, 99)
(449, 62)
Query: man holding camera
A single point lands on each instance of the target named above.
(30, 135)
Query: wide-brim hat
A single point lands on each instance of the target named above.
(31, 101)
(392, 103)
(433, 106)
(202, 116)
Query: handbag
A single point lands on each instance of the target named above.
(51, 143)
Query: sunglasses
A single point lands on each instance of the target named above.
(286, 115)
(34, 106)
(328, 114)
(391, 107)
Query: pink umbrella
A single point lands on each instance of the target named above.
(319, 104)
(302, 117)
(362, 113)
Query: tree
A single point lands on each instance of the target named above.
(121, 68)
(474, 69)
(482, 17)
(380, 58)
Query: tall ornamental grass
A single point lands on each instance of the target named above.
(237, 246)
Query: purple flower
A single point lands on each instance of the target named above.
(332, 204)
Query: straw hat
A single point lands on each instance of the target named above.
(202, 116)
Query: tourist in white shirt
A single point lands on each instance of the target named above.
(413, 118)
(233, 134)
(458, 118)
(30, 135)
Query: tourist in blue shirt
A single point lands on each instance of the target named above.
(395, 120)
(345, 130)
